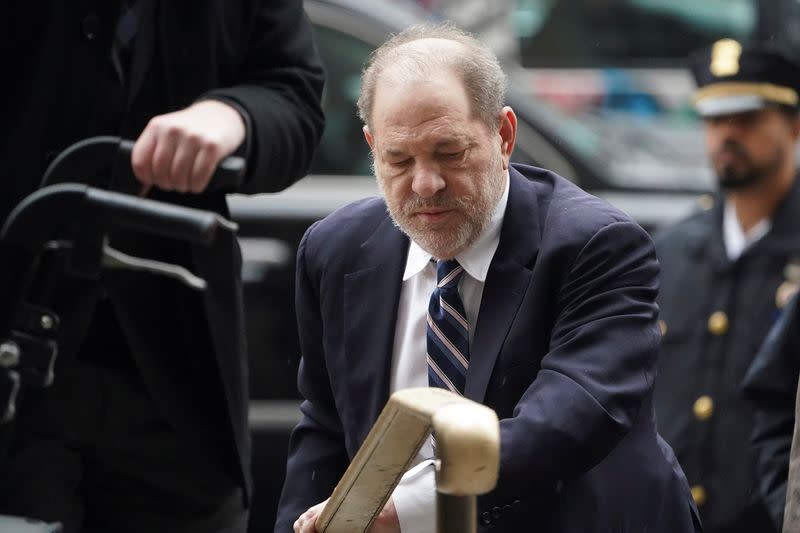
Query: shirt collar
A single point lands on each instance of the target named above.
(476, 259)
(736, 240)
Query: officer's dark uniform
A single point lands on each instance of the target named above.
(716, 312)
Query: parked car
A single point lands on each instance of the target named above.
(630, 55)
(619, 67)
(271, 225)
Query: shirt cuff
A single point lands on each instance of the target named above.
(415, 499)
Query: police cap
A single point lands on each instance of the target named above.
(733, 78)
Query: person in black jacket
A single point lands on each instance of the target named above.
(726, 273)
(146, 426)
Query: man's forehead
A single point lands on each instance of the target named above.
(435, 127)
(419, 114)
(393, 142)
(420, 104)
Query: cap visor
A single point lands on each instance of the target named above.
(729, 105)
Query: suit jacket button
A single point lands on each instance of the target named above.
(718, 323)
(496, 512)
(515, 504)
(784, 293)
(699, 495)
(703, 408)
(487, 518)
(705, 202)
(90, 26)
(506, 508)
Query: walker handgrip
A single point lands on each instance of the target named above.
(227, 176)
(90, 158)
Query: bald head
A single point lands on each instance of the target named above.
(428, 52)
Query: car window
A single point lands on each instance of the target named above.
(601, 33)
(343, 149)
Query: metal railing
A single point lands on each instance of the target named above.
(467, 460)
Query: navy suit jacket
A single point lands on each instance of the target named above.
(564, 351)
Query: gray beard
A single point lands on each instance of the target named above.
(479, 213)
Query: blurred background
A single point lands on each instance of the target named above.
(603, 98)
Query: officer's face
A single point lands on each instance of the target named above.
(440, 168)
(747, 149)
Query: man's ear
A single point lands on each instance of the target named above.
(508, 134)
(368, 137)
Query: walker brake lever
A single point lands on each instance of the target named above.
(113, 258)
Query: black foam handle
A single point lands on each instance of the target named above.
(228, 175)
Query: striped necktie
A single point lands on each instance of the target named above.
(448, 331)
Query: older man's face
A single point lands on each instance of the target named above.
(441, 169)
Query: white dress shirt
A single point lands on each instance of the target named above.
(415, 496)
(736, 240)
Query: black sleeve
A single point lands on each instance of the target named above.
(771, 386)
(317, 455)
(279, 88)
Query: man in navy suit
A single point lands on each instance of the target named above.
(550, 319)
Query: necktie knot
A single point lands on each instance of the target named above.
(448, 274)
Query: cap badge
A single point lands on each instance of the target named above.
(725, 55)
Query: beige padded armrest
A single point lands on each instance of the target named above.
(467, 450)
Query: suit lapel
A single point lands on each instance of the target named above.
(371, 295)
(506, 283)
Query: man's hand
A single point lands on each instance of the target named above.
(386, 522)
(179, 151)
(308, 520)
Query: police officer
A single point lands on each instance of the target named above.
(726, 273)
